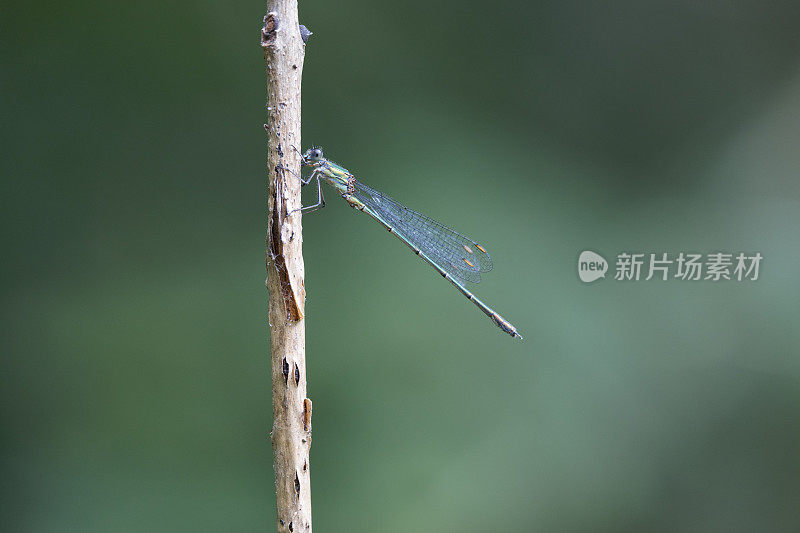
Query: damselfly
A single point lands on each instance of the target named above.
(457, 258)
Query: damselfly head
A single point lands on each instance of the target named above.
(313, 155)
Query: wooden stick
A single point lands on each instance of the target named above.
(291, 410)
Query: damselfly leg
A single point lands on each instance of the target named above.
(320, 198)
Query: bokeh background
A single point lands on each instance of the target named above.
(135, 390)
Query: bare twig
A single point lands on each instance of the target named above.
(291, 410)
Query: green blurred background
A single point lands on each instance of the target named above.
(135, 387)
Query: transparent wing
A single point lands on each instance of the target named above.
(459, 256)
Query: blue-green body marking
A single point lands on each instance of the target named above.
(423, 235)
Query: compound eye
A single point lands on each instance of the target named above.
(317, 153)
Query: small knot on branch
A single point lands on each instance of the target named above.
(270, 29)
(305, 33)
